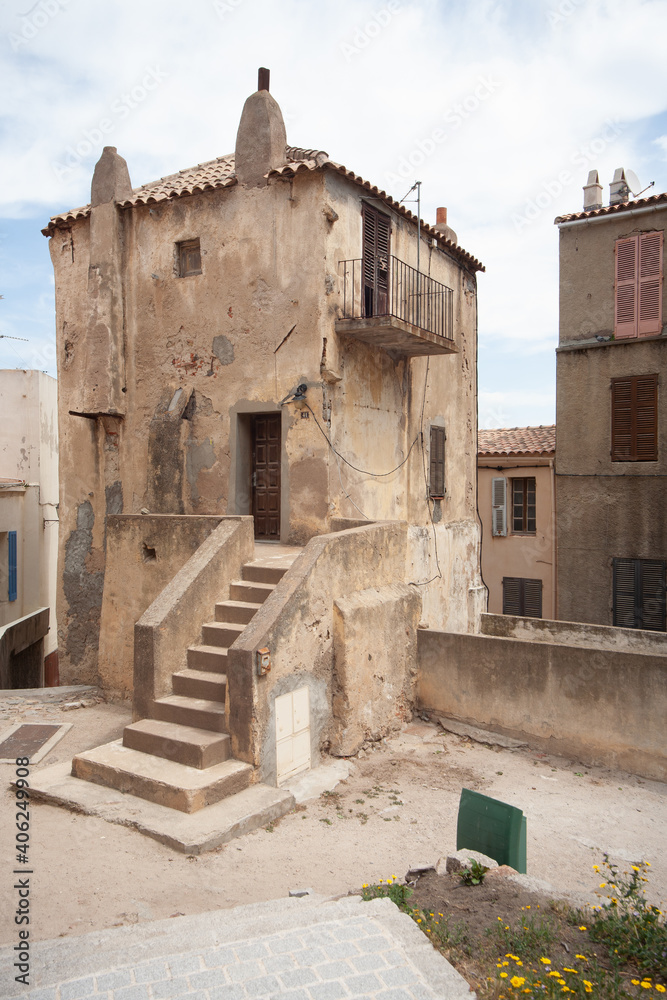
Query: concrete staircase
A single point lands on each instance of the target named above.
(180, 757)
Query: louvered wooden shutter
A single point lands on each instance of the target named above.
(646, 417)
(634, 419)
(532, 598)
(437, 462)
(12, 588)
(626, 288)
(376, 250)
(499, 505)
(650, 284)
(624, 593)
(653, 595)
(511, 595)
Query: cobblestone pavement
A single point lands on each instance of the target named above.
(289, 949)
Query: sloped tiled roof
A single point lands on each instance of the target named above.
(654, 199)
(220, 173)
(517, 440)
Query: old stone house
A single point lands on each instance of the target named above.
(253, 370)
(517, 501)
(28, 529)
(611, 461)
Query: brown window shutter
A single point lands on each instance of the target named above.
(511, 595)
(639, 594)
(532, 598)
(437, 462)
(650, 284)
(621, 420)
(646, 420)
(653, 595)
(627, 251)
(375, 265)
(634, 419)
(624, 593)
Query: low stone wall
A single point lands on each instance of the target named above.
(144, 552)
(296, 624)
(21, 650)
(600, 706)
(174, 619)
(631, 640)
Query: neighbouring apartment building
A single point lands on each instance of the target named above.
(516, 497)
(611, 463)
(28, 529)
(252, 336)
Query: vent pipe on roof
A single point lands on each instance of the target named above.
(619, 189)
(592, 192)
(442, 227)
(263, 77)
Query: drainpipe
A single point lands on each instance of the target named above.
(554, 574)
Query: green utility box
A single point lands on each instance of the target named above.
(492, 827)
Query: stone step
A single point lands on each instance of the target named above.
(198, 712)
(235, 611)
(165, 782)
(183, 744)
(260, 573)
(200, 684)
(220, 633)
(240, 590)
(210, 658)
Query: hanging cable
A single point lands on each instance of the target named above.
(364, 472)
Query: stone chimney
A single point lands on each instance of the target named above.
(442, 227)
(592, 192)
(619, 189)
(100, 386)
(261, 138)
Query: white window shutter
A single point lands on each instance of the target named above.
(499, 505)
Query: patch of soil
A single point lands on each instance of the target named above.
(475, 927)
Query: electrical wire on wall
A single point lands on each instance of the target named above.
(438, 575)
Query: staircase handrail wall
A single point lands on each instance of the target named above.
(295, 623)
(173, 621)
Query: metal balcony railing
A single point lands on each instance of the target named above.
(385, 286)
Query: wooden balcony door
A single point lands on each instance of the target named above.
(375, 264)
(266, 475)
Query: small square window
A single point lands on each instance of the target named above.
(189, 258)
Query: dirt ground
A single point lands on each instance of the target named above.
(396, 810)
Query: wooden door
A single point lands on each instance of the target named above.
(266, 475)
(375, 264)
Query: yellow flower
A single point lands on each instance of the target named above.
(561, 982)
(505, 963)
(635, 868)
(565, 969)
(517, 981)
(646, 985)
(660, 988)
(545, 961)
(503, 975)
(596, 868)
(583, 927)
(635, 982)
(582, 957)
(554, 973)
(602, 885)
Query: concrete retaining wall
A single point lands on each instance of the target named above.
(600, 706)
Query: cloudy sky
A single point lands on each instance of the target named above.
(500, 109)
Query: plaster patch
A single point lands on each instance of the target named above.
(223, 349)
(199, 456)
(82, 588)
(113, 496)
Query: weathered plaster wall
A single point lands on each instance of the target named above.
(145, 551)
(605, 509)
(598, 706)
(375, 663)
(520, 555)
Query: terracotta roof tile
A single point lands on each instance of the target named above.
(653, 199)
(517, 440)
(220, 173)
